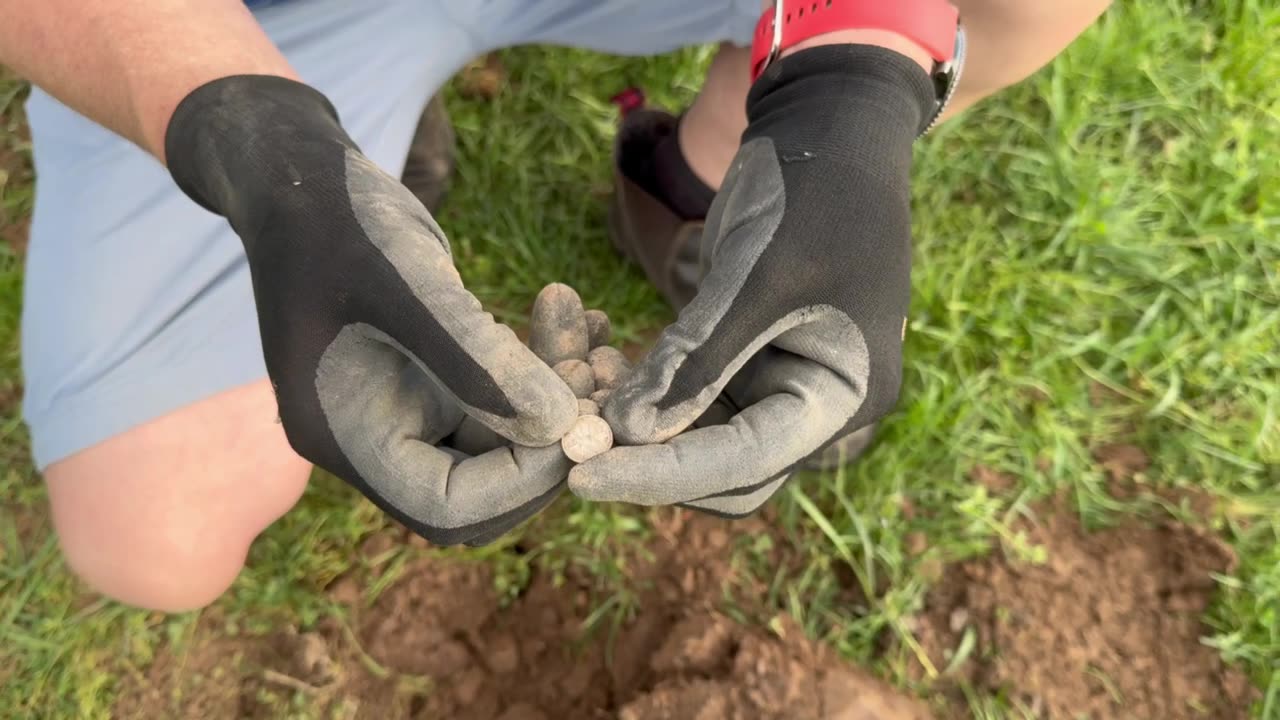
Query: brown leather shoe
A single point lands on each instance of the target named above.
(666, 246)
(641, 226)
(429, 167)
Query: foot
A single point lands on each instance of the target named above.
(642, 225)
(429, 166)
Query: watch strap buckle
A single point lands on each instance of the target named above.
(775, 44)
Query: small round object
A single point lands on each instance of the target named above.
(609, 366)
(598, 329)
(588, 437)
(587, 407)
(578, 376)
(599, 397)
(558, 327)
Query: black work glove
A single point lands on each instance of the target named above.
(376, 351)
(800, 315)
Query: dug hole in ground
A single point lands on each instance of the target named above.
(1106, 625)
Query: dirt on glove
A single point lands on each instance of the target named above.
(1108, 627)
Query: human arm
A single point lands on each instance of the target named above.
(1008, 40)
(128, 65)
(381, 361)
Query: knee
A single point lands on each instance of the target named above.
(155, 544)
(164, 568)
(163, 538)
(162, 516)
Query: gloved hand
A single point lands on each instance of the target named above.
(796, 331)
(376, 351)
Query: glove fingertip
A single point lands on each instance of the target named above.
(588, 484)
(636, 418)
(544, 414)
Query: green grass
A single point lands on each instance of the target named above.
(1111, 223)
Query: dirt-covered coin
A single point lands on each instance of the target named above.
(558, 328)
(578, 376)
(598, 329)
(609, 366)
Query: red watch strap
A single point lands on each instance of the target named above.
(929, 23)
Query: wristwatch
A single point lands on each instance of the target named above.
(933, 24)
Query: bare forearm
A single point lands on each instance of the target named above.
(127, 65)
(1011, 39)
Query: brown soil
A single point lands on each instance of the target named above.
(16, 166)
(438, 644)
(15, 234)
(482, 78)
(1109, 627)
(1121, 461)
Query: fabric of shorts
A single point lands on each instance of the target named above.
(138, 302)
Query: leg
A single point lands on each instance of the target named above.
(429, 166)
(713, 124)
(636, 27)
(155, 518)
(146, 392)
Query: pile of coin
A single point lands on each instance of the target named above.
(575, 343)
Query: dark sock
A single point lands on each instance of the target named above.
(675, 183)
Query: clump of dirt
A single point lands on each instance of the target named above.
(710, 668)
(438, 644)
(996, 482)
(482, 78)
(1108, 627)
(1121, 461)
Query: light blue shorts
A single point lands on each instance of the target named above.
(137, 302)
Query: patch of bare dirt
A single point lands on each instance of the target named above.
(483, 78)
(710, 668)
(996, 482)
(1121, 461)
(15, 234)
(438, 644)
(202, 681)
(10, 397)
(15, 169)
(1109, 627)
